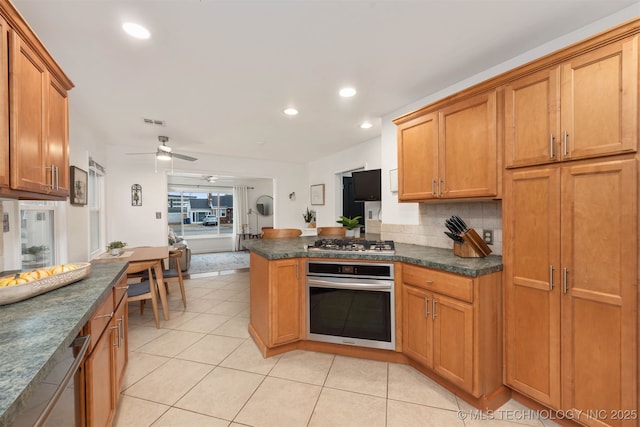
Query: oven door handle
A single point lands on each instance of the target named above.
(84, 343)
(358, 286)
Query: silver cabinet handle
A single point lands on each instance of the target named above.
(552, 154)
(433, 310)
(52, 172)
(565, 137)
(426, 307)
(551, 277)
(110, 315)
(121, 330)
(565, 272)
(440, 182)
(57, 178)
(433, 187)
(117, 343)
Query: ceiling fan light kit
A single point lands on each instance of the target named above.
(165, 153)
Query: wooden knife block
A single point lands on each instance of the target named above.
(465, 250)
(473, 246)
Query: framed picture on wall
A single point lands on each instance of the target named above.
(317, 194)
(78, 179)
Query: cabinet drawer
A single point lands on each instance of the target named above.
(99, 321)
(455, 286)
(119, 290)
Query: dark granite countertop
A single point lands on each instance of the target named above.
(36, 332)
(426, 256)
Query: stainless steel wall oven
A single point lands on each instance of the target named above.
(351, 303)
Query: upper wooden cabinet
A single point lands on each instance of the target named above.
(450, 152)
(584, 107)
(4, 106)
(36, 145)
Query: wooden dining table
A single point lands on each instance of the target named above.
(145, 253)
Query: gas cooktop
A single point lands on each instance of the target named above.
(354, 245)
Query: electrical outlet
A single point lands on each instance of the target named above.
(158, 215)
(487, 235)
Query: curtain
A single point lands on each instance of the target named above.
(240, 213)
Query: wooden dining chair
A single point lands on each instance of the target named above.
(279, 233)
(332, 231)
(174, 274)
(143, 289)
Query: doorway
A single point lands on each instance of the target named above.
(351, 208)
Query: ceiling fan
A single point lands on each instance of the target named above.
(164, 152)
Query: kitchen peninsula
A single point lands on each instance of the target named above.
(440, 313)
(35, 333)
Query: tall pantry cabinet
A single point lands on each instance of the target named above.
(570, 225)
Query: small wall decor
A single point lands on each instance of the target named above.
(136, 195)
(78, 186)
(317, 194)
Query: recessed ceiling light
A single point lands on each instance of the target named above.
(291, 111)
(366, 125)
(136, 30)
(347, 92)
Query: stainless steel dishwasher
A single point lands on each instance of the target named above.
(54, 403)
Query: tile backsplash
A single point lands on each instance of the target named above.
(485, 215)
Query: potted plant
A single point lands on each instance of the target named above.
(116, 247)
(310, 218)
(352, 224)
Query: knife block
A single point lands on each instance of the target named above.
(465, 250)
(473, 246)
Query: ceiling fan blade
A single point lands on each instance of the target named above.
(184, 157)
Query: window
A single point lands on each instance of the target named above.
(96, 208)
(37, 234)
(187, 212)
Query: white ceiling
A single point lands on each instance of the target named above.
(219, 73)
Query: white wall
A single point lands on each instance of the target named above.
(327, 171)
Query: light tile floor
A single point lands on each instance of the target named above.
(202, 369)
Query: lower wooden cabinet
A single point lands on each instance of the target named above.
(107, 358)
(571, 287)
(451, 325)
(276, 303)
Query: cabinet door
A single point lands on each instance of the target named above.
(58, 138)
(531, 246)
(532, 119)
(600, 101)
(417, 336)
(4, 105)
(285, 298)
(468, 147)
(453, 340)
(100, 403)
(418, 158)
(599, 304)
(28, 89)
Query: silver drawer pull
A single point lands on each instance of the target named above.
(110, 315)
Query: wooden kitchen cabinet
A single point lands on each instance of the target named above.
(438, 333)
(277, 300)
(4, 107)
(418, 158)
(571, 274)
(107, 357)
(449, 152)
(584, 107)
(451, 326)
(33, 115)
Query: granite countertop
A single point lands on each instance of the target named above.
(36, 332)
(426, 256)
